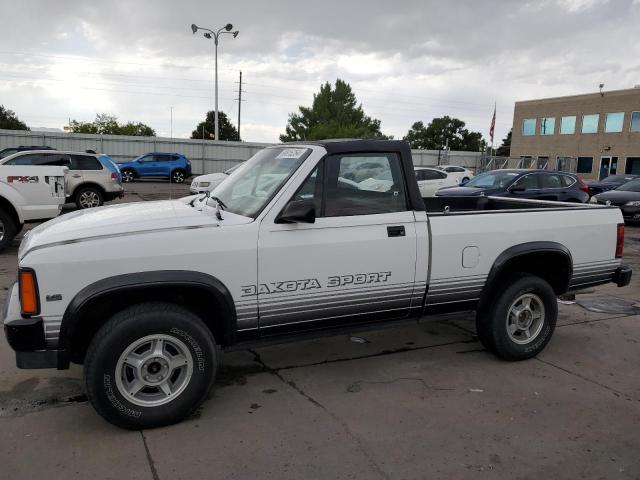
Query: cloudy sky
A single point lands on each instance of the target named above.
(406, 60)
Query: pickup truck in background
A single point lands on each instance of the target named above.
(28, 195)
(303, 237)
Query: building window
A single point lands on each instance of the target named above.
(563, 164)
(529, 126)
(590, 123)
(613, 122)
(568, 125)
(635, 121)
(585, 165)
(547, 126)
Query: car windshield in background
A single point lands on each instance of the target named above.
(617, 179)
(632, 186)
(257, 180)
(492, 180)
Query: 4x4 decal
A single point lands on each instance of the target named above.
(314, 283)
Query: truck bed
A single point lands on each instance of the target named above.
(480, 204)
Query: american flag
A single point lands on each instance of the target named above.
(493, 124)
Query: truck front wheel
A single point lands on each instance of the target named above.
(150, 365)
(520, 320)
(8, 230)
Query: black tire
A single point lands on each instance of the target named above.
(491, 322)
(125, 329)
(8, 229)
(178, 176)
(89, 197)
(128, 175)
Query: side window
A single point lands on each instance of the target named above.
(148, 158)
(311, 189)
(162, 158)
(85, 162)
(420, 175)
(364, 184)
(432, 175)
(551, 180)
(529, 182)
(567, 181)
(41, 159)
(23, 160)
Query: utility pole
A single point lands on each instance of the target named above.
(239, 103)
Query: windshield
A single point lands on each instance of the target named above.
(493, 179)
(257, 180)
(619, 179)
(632, 186)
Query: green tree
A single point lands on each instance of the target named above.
(226, 129)
(334, 114)
(504, 150)
(9, 120)
(108, 125)
(440, 130)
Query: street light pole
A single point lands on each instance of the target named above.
(210, 34)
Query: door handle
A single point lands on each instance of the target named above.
(76, 176)
(397, 231)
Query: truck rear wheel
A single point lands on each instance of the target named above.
(8, 230)
(150, 365)
(520, 320)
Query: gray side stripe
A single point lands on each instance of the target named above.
(349, 305)
(338, 301)
(336, 295)
(463, 286)
(333, 316)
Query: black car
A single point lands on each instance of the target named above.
(627, 197)
(532, 184)
(5, 152)
(609, 183)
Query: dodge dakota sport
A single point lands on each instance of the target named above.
(303, 237)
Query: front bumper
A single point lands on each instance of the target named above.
(26, 336)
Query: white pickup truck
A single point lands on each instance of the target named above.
(302, 237)
(28, 195)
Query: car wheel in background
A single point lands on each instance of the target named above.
(128, 175)
(89, 197)
(178, 176)
(150, 365)
(8, 230)
(519, 322)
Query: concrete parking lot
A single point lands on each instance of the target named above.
(420, 401)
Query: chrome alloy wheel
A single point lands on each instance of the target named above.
(525, 318)
(89, 199)
(154, 370)
(127, 176)
(178, 177)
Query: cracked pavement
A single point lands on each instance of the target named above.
(422, 400)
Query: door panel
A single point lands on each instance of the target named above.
(357, 260)
(337, 267)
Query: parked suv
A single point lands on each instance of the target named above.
(5, 152)
(174, 166)
(91, 180)
(533, 184)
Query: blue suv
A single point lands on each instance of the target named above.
(174, 166)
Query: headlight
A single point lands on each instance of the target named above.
(635, 203)
(204, 184)
(593, 200)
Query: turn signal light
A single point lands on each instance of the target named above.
(28, 284)
(620, 240)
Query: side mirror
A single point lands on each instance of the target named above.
(298, 211)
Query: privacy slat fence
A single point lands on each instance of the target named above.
(206, 156)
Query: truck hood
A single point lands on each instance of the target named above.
(123, 219)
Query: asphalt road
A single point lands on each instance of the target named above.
(420, 401)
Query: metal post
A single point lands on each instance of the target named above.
(239, 103)
(216, 82)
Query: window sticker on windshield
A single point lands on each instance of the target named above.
(291, 153)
